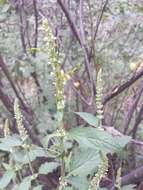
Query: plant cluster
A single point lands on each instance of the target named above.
(70, 95)
(59, 145)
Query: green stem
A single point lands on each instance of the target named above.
(62, 159)
(29, 162)
(20, 176)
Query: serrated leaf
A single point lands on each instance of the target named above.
(122, 141)
(48, 167)
(89, 118)
(95, 138)
(39, 187)
(9, 142)
(38, 152)
(84, 162)
(78, 182)
(128, 187)
(34, 152)
(25, 184)
(7, 177)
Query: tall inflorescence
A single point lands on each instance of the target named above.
(19, 121)
(99, 93)
(6, 128)
(60, 79)
(23, 134)
(59, 75)
(102, 171)
(118, 179)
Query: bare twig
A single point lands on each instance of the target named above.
(133, 177)
(76, 34)
(5, 99)
(21, 13)
(70, 20)
(115, 132)
(96, 29)
(131, 110)
(8, 76)
(100, 18)
(81, 22)
(137, 122)
(124, 86)
(36, 26)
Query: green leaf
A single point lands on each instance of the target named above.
(9, 142)
(37, 152)
(89, 118)
(7, 177)
(98, 139)
(34, 152)
(84, 163)
(122, 141)
(39, 187)
(7, 166)
(46, 139)
(48, 167)
(25, 184)
(78, 182)
(128, 187)
(67, 188)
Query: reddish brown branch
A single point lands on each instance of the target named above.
(124, 86)
(7, 102)
(21, 12)
(100, 18)
(8, 76)
(70, 20)
(133, 177)
(128, 117)
(76, 34)
(97, 28)
(137, 122)
(36, 26)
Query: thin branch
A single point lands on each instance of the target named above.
(70, 20)
(36, 26)
(22, 24)
(137, 122)
(99, 19)
(81, 22)
(76, 34)
(133, 177)
(8, 76)
(124, 86)
(128, 117)
(115, 132)
(7, 102)
(85, 49)
(97, 28)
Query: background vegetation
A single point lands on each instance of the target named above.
(71, 104)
